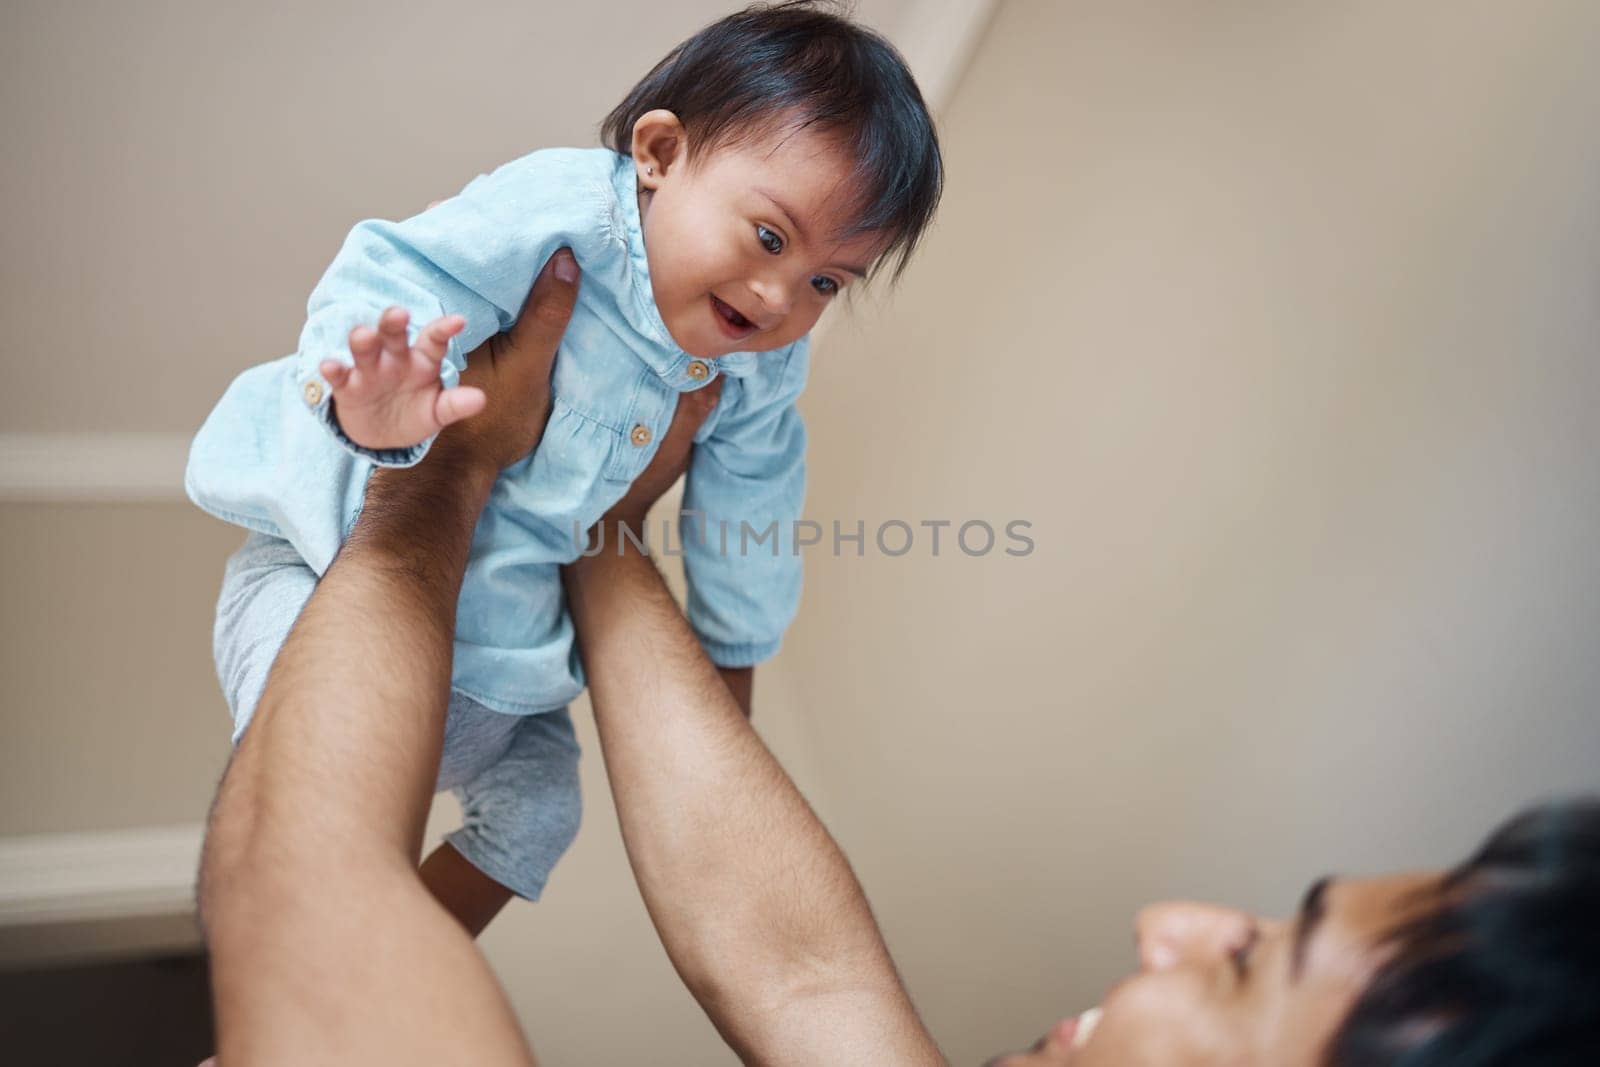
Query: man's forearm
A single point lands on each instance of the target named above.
(325, 945)
(754, 902)
(375, 644)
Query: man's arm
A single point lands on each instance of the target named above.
(756, 905)
(741, 682)
(742, 503)
(325, 946)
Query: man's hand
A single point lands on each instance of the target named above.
(308, 886)
(671, 458)
(512, 371)
(665, 468)
(392, 397)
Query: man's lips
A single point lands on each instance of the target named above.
(733, 324)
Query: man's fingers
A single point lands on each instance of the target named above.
(672, 458)
(699, 404)
(544, 317)
(692, 411)
(453, 405)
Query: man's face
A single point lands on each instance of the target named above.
(743, 246)
(1223, 987)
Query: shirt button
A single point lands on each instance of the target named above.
(698, 370)
(640, 434)
(312, 391)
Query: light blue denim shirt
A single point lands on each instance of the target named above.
(270, 456)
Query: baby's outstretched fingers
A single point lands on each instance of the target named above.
(333, 372)
(459, 403)
(365, 346)
(434, 340)
(392, 330)
(390, 396)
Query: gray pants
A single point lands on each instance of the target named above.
(515, 775)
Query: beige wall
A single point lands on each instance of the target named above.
(110, 713)
(178, 173)
(1276, 320)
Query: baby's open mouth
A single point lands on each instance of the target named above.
(738, 323)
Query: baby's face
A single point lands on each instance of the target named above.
(742, 246)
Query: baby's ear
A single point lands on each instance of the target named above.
(659, 143)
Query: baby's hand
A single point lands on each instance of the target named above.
(392, 397)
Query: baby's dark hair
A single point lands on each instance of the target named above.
(804, 62)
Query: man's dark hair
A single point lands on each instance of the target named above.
(1501, 965)
(804, 63)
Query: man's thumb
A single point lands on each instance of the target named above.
(550, 303)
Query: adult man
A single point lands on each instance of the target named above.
(324, 804)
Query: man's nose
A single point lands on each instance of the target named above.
(1182, 933)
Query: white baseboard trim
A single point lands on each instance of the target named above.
(64, 878)
(120, 467)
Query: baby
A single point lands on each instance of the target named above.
(765, 165)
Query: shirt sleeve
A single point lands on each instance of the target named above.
(744, 495)
(474, 255)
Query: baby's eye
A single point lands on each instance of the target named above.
(769, 240)
(824, 285)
